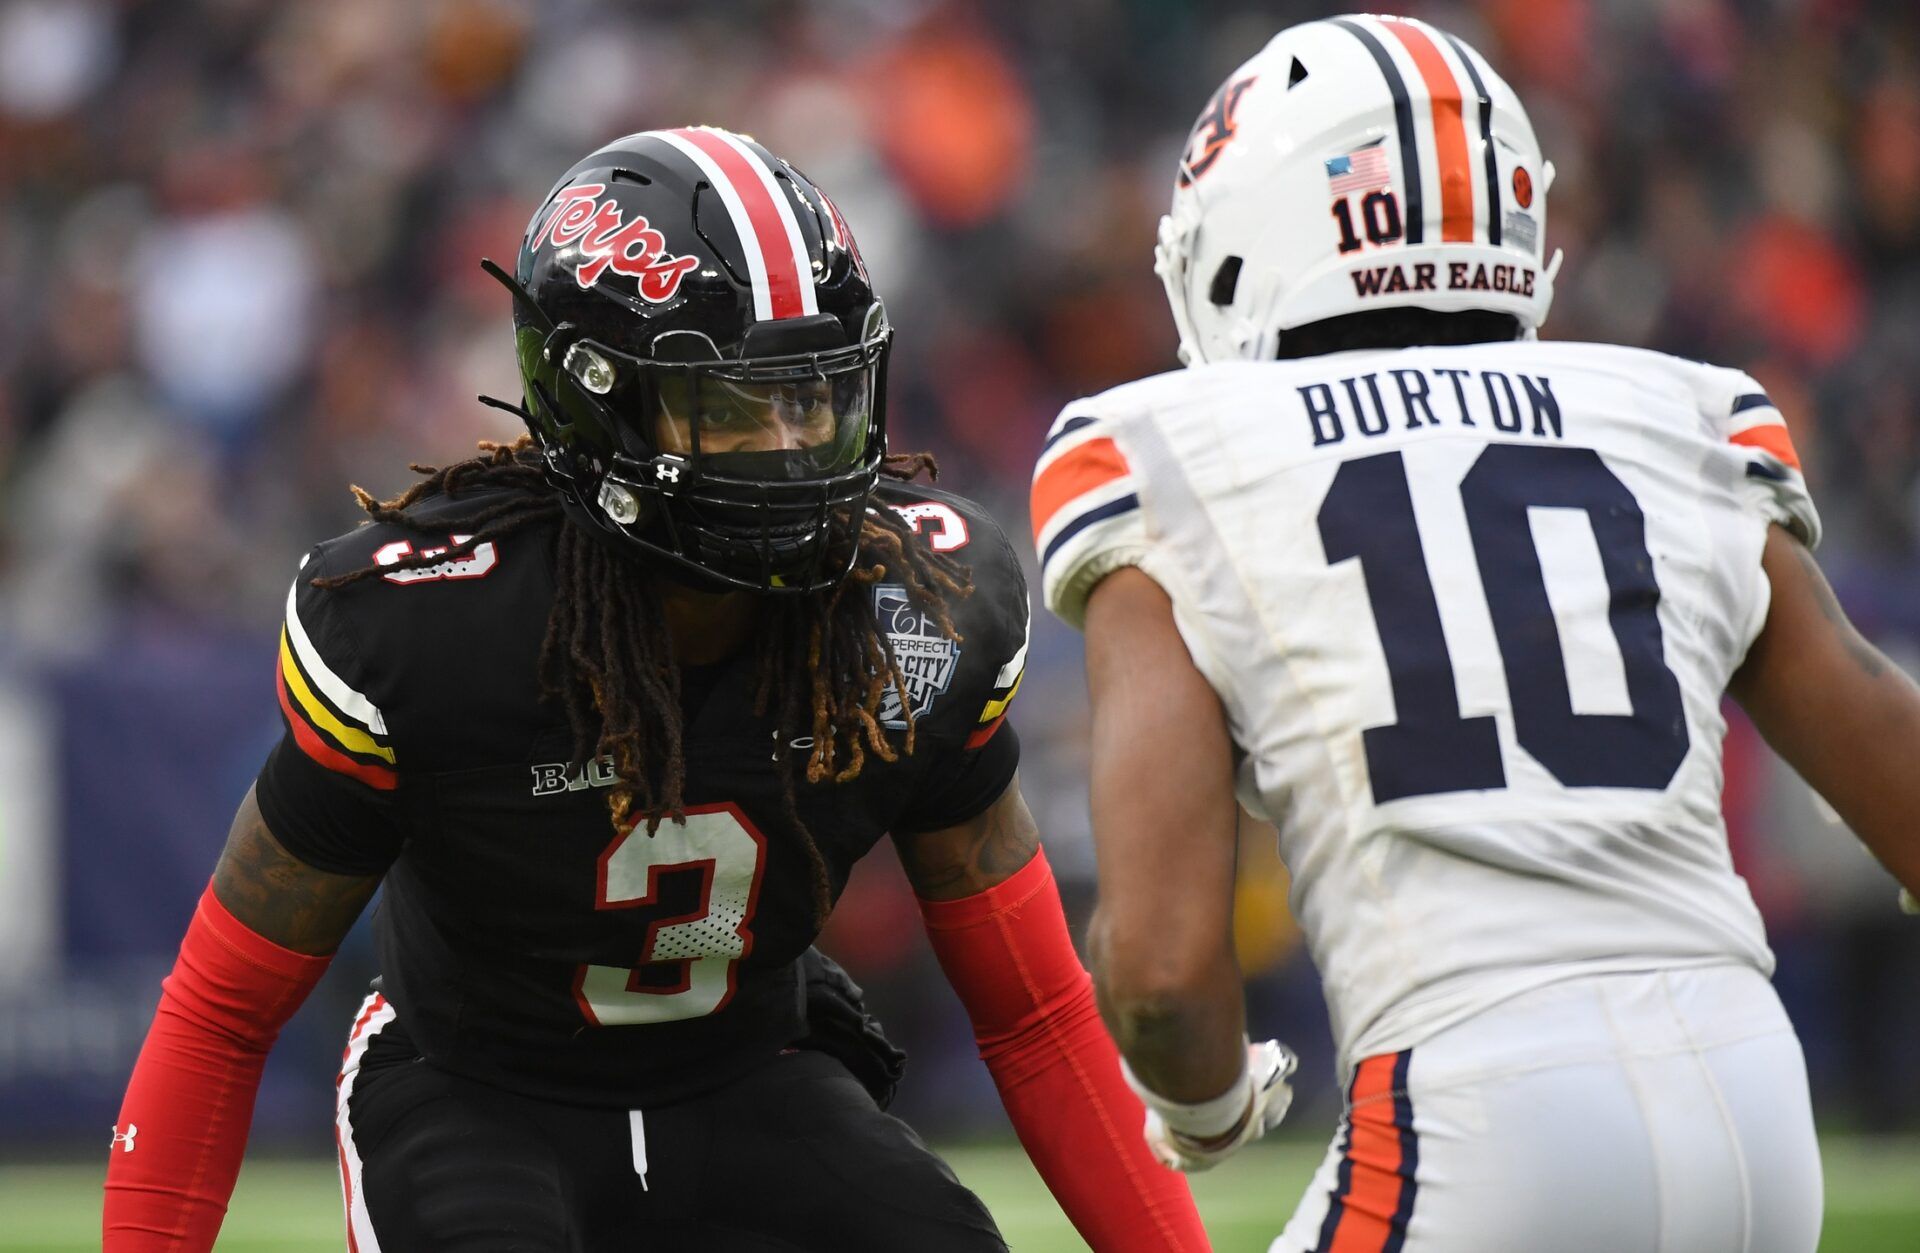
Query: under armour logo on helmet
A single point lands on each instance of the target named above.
(666, 473)
(125, 1139)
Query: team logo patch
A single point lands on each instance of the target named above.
(1214, 131)
(927, 658)
(1523, 187)
(578, 217)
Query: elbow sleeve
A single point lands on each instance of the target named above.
(183, 1124)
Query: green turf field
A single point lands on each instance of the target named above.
(1873, 1201)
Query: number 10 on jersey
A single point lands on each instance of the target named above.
(699, 882)
(1431, 746)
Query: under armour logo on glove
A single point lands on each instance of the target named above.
(124, 1139)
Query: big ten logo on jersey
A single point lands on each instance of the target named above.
(940, 525)
(927, 658)
(477, 565)
(550, 778)
(1361, 183)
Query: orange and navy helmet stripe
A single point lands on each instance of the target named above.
(1416, 216)
(1379, 1161)
(1486, 138)
(1449, 130)
(1441, 88)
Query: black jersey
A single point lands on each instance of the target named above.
(522, 940)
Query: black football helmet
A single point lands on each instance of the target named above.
(704, 359)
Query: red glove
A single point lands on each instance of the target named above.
(183, 1125)
(1007, 953)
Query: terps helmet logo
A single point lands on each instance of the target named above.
(579, 216)
(1213, 131)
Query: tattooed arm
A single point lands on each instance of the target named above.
(279, 896)
(259, 941)
(978, 854)
(1840, 713)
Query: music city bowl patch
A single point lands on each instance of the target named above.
(927, 658)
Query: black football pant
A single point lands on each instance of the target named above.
(793, 1156)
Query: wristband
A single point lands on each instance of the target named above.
(1201, 1120)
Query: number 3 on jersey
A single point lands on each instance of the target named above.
(1368, 515)
(700, 882)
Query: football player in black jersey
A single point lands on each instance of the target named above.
(611, 711)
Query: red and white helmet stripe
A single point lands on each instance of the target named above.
(777, 261)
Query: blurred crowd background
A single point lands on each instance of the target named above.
(238, 271)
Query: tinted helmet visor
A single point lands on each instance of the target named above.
(781, 431)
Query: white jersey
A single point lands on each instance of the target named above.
(1471, 612)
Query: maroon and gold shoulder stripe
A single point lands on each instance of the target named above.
(333, 724)
(1006, 685)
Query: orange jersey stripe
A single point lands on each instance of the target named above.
(1769, 438)
(1449, 131)
(1073, 474)
(1373, 1152)
(324, 753)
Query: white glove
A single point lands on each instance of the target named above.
(1201, 1136)
(1908, 905)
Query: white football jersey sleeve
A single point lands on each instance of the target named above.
(1471, 612)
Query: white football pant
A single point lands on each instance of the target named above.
(1653, 1112)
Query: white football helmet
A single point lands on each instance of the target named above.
(1356, 163)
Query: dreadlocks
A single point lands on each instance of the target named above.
(823, 666)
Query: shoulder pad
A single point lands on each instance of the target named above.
(1087, 520)
(1738, 410)
(332, 699)
(968, 683)
(407, 643)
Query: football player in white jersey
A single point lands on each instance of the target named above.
(1455, 609)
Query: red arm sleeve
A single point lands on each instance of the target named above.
(183, 1125)
(1007, 953)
